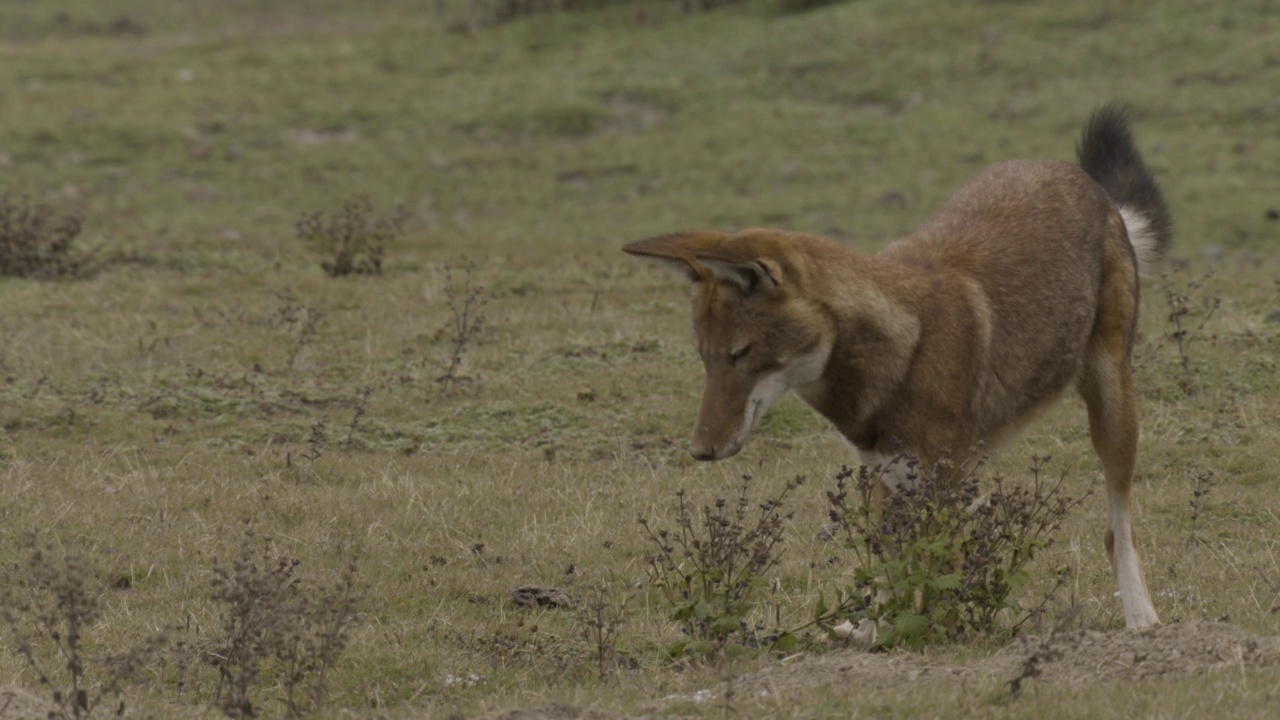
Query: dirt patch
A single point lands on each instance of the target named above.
(855, 668)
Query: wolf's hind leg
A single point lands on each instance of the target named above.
(1107, 387)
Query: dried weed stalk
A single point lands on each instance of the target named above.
(599, 615)
(1204, 482)
(1046, 651)
(361, 407)
(301, 321)
(466, 301)
(49, 604)
(1189, 312)
(316, 442)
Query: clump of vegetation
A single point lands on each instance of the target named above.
(36, 242)
(49, 604)
(353, 239)
(714, 568)
(938, 561)
(270, 616)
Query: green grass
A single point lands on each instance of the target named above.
(147, 413)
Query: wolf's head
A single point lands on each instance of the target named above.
(756, 331)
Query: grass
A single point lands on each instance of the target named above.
(147, 412)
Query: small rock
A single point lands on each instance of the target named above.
(862, 635)
(828, 531)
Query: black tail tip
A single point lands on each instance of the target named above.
(1107, 138)
(1108, 153)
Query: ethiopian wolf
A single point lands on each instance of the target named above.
(1022, 286)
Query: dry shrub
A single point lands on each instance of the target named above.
(49, 603)
(36, 242)
(353, 239)
(272, 618)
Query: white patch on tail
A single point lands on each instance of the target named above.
(1141, 237)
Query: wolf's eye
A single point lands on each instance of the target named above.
(739, 353)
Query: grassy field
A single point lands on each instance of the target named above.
(211, 377)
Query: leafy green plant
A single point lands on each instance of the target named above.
(713, 568)
(939, 561)
(36, 242)
(49, 604)
(353, 239)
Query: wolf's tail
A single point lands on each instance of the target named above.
(1107, 153)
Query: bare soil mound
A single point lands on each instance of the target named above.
(553, 712)
(1168, 651)
(1072, 657)
(1077, 656)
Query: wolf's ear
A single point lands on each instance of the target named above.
(748, 276)
(742, 265)
(678, 251)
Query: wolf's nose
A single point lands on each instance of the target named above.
(701, 451)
